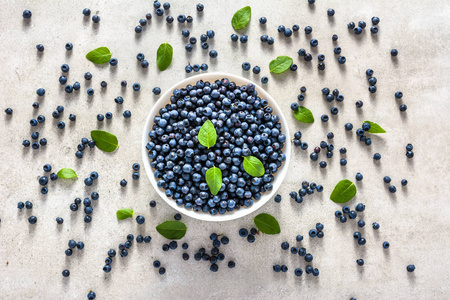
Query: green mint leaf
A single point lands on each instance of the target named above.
(374, 127)
(343, 192)
(105, 141)
(241, 18)
(267, 224)
(100, 55)
(207, 134)
(304, 115)
(214, 179)
(253, 166)
(280, 64)
(124, 213)
(164, 56)
(66, 173)
(172, 230)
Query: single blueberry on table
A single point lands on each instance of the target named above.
(308, 29)
(374, 29)
(377, 156)
(386, 245)
(26, 14)
(410, 268)
(358, 30)
(59, 220)
(362, 241)
(264, 79)
(342, 59)
(234, 37)
(87, 12)
(394, 52)
(362, 24)
(351, 25)
(263, 20)
(95, 18)
(91, 295)
(359, 177)
(359, 104)
(361, 223)
(360, 262)
(65, 273)
(330, 12)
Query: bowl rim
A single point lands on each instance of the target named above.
(235, 214)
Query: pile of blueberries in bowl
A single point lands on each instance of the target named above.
(247, 121)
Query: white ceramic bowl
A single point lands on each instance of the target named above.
(243, 211)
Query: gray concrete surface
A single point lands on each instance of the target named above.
(414, 220)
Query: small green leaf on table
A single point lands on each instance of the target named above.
(124, 213)
(100, 55)
(303, 115)
(280, 64)
(66, 173)
(267, 224)
(241, 18)
(172, 230)
(343, 192)
(104, 140)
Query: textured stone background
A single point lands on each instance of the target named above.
(414, 220)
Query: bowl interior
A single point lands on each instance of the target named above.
(235, 214)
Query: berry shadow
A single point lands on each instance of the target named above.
(95, 27)
(26, 24)
(374, 38)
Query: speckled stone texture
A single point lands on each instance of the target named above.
(414, 220)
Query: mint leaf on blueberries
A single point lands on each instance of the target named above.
(267, 224)
(214, 179)
(104, 140)
(66, 173)
(374, 127)
(124, 213)
(241, 18)
(304, 115)
(253, 166)
(343, 192)
(172, 230)
(280, 64)
(100, 55)
(207, 134)
(164, 56)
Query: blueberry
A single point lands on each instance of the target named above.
(372, 89)
(138, 29)
(374, 29)
(352, 215)
(314, 43)
(166, 6)
(362, 24)
(313, 233)
(264, 79)
(287, 32)
(113, 62)
(284, 268)
(360, 207)
(87, 12)
(360, 262)
(366, 126)
(126, 114)
(68, 252)
(343, 219)
(362, 241)
(256, 70)
(394, 52)
(323, 164)
(277, 198)
(169, 19)
(308, 29)
(262, 20)
(234, 37)
(147, 239)
(404, 182)
(403, 107)
(315, 272)
(270, 41)
(359, 104)
(243, 39)
(136, 87)
(324, 118)
(387, 179)
(386, 245)
(59, 220)
(410, 268)
(351, 25)
(392, 189)
(213, 53)
(377, 156)
(361, 223)
(375, 20)
(308, 257)
(342, 59)
(26, 14)
(91, 295)
(334, 37)
(285, 245)
(143, 22)
(348, 126)
(159, 12)
(140, 220)
(299, 238)
(152, 203)
(372, 80)
(357, 30)
(359, 177)
(88, 181)
(200, 7)
(330, 12)
(65, 273)
(95, 18)
(177, 217)
(319, 226)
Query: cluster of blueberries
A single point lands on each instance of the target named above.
(245, 125)
(409, 152)
(203, 39)
(87, 13)
(196, 67)
(215, 255)
(256, 70)
(399, 95)
(308, 257)
(43, 180)
(288, 32)
(157, 265)
(306, 189)
(361, 25)
(392, 187)
(337, 51)
(88, 209)
(72, 244)
(314, 156)
(123, 249)
(27, 205)
(81, 146)
(35, 135)
(243, 232)
(243, 38)
(372, 81)
(135, 175)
